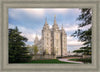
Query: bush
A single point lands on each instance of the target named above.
(86, 60)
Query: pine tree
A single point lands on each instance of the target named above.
(84, 35)
(17, 48)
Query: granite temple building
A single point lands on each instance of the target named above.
(53, 40)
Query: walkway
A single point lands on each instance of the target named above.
(66, 60)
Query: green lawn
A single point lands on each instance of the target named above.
(54, 61)
(86, 60)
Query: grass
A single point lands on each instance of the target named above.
(50, 61)
(85, 60)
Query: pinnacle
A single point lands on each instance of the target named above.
(46, 20)
(62, 26)
(55, 19)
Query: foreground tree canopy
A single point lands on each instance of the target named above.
(84, 35)
(17, 49)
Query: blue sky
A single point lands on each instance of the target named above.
(31, 21)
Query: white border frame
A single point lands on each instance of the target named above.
(5, 4)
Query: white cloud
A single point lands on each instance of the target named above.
(50, 26)
(69, 28)
(86, 27)
(71, 41)
(60, 10)
(30, 36)
(69, 38)
(16, 13)
(76, 11)
(72, 48)
(39, 12)
(29, 33)
(74, 42)
(11, 26)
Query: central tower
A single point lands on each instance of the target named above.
(56, 44)
(46, 35)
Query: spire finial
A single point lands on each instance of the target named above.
(54, 19)
(62, 25)
(54, 16)
(46, 20)
(36, 39)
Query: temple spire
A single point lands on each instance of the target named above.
(55, 26)
(46, 26)
(46, 20)
(62, 26)
(36, 36)
(55, 19)
(36, 39)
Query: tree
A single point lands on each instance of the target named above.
(17, 48)
(84, 35)
(30, 49)
(35, 49)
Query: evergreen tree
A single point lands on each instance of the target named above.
(18, 52)
(84, 35)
